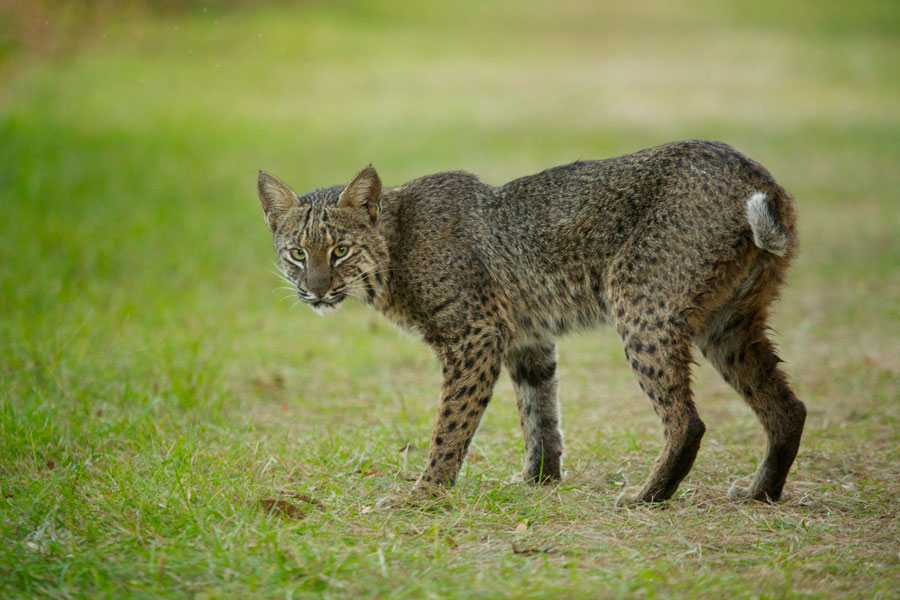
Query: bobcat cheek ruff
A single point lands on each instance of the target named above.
(678, 245)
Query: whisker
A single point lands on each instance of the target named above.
(279, 272)
(360, 276)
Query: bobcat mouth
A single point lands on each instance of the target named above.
(326, 306)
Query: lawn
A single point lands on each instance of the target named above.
(170, 426)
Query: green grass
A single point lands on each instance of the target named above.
(169, 427)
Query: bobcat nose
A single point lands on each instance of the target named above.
(320, 290)
(318, 280)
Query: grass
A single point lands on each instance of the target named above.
(170, 428)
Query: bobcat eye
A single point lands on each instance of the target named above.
(297, 254)
(340, 251)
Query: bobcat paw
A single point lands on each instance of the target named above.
(634, 495)
(427, 491)
(741, 493)
(536, 479)
(420, 495)
(630, 496)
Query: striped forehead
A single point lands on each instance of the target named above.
(317, 228)
(317, 232)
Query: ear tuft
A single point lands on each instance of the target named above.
(275, 196)
(363, 192)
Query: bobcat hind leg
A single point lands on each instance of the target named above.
(533, 372)
(660, 358)
(746, 359)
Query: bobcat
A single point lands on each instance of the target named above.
(683, 243)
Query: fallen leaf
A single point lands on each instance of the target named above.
(367, 473)
(522, 527)
(282, 507)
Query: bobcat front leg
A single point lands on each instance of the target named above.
(471, 368)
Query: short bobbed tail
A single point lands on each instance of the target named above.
(768, 233)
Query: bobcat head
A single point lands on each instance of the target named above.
(326, 241)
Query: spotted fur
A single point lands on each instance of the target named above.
(682, 244)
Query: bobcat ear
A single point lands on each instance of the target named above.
(363, 191)
(275, 196)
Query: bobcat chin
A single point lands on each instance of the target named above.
(679, 245)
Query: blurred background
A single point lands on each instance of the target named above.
(137, 300)
(131, 133)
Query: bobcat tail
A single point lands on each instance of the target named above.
(768, 233)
